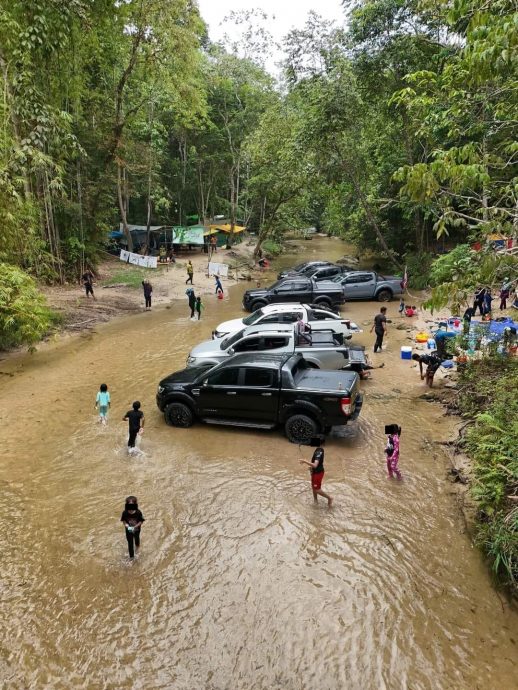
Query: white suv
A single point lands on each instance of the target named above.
(319, 319)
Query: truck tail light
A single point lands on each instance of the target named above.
(345, 404)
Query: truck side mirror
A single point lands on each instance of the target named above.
(231, 350)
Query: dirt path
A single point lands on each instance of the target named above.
(118, 289)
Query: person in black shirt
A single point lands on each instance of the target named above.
(132, 519)
(380, 328)
(432, 361)
(316, 468)
(135, 419)
(88, 280)
(148, 291)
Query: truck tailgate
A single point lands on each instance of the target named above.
(339, 382)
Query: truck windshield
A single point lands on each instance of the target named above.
(228, 342)
(255, 316)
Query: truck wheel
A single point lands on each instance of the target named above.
(384, 296)
(178, 414)
(300, 429)
(257, 305)
(324, 304)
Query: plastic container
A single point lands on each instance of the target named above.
(422, 337)
(406, 352)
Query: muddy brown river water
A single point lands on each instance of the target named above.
(241, 583)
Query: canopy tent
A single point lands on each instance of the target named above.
(226, 228)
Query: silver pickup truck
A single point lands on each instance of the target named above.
(323, 349)
(369, 285)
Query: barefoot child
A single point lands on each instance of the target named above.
(102, 403)
(132, 519)
(316, 468)
(392, 450)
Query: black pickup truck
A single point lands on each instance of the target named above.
(262, 392)
(322, 293)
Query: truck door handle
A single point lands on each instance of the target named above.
(231, 392)
(266, 395)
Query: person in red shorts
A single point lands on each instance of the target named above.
(316, 468)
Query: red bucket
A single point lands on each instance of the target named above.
(220, 295)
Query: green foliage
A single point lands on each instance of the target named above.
(272, 248)
(488, 393)
(449, 267)
(24, 316)
(418, 267)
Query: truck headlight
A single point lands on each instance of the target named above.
(191, 360)
(160, 390)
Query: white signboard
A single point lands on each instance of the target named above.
(216, 269)
(138, 260)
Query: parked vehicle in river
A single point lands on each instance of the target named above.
(359, 285)
(325, 272)
(323, 293)
(323, 350)
(262, 392)
(300, 268)
(316, 317)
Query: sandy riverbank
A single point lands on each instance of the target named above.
(118, 290)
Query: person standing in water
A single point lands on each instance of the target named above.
(135, 418)
(219, 286)
(102, 403)
(132, 520)
(392, 450)
(148, 290)
(192, 301)
(198, 306)
(380, 328)
(316, 468)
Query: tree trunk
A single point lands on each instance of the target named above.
(122, 208)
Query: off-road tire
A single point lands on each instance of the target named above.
(178, 414)
(300, 428)
(259, 304)
(384, 295)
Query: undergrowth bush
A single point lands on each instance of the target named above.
(24, 316)
(489, 394)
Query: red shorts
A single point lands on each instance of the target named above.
(316, 481)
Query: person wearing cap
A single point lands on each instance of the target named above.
(132, 520)
(316, 468)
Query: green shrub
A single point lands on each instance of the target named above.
(271, 247)
(488, 394)
(418, 268)
(24, 315)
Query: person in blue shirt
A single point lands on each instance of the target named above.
(219, 286)
(102, 403)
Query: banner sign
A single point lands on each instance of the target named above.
(192, 235)
(216, 269)
(138, 260)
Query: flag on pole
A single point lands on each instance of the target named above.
(404, 282)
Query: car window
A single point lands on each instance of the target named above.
(253, 318)
(272, 318)
(299, 286)
(360, 278)
(231, 339)
(224, 377)
(292, 316)
(248, 344)
(319, 315)
(286, 287)
(262, 378)
(274, 342)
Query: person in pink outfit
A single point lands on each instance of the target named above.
(392, 450)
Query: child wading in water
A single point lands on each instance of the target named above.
(198, 305)
(132, 519)
(392, 450)
(316, 468)
(102, 402)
